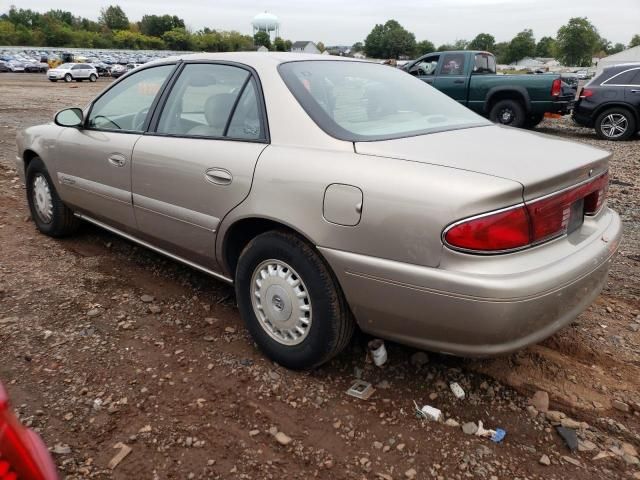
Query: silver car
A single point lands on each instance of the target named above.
(334, 193)
(73, 71)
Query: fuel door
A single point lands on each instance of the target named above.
(342, 204)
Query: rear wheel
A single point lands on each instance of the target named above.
(290, 301)
(50, 214)
(615, 124)
(93, 77)
(508, 112)
(68, 77)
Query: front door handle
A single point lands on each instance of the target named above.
(635, 91)
(117, 160)
(458, 81)
(219, 176)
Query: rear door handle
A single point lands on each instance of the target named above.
(219, 176)
(635, 91)
(117, 160)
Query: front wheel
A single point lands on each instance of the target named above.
(290, 301)
(50, 214)
(508, 112)
(68, 78)
(615, 124)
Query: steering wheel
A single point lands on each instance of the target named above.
(108, 120)
(138, 120)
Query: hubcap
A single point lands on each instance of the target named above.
(281, 302)
(42, 199)
(614, 125)
(506, 116)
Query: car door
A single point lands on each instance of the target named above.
(94, 162)
(197, 163)
(632, 90)
(451, 78)
(425, 68)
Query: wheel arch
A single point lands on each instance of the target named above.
(618, 104)
(28, 156)
(238, 234)
(517, 93)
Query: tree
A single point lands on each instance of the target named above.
(635, 41)
(521, 46)
(546, 47)
(617, 48)
(500, 51)
(262, 38)
(425, 46)
(158, 25)
(357, 47)
(279, 45)
(390, 40)
(178, 39)
(461, 44)
(577, 42)
(114, 18)
(483, 41)
(321, 47)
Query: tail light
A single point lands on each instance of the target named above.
(586, 93)
(529, 223)
(23, 455)
(556, 88)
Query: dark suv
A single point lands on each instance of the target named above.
(610, 103)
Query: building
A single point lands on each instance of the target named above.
(630, 55)
(304, 47)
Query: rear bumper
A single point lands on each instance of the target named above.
(563, 107)
(479, 314)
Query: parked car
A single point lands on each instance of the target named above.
(23, 455)
(610, 103)
(36, 67)
(73, 71)
(470, 78)
(583, 74)
(4, 67)
(118, 70)
(16, 67)
(329, 190)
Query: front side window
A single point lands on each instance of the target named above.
(425, 67)
(452, 64)
(361, 101)
(210, 100)
(126, 105)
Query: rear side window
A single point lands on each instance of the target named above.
(211, 100)
(484, 63)
(452, 64)
(629, 77)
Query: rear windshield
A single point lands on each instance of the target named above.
(359, 101)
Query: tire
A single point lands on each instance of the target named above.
(68, 78)
(58, 220)
(329, 326)
(93, 78)
(508, 112)
(534, 120)
(607, 128)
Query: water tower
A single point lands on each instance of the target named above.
(266, 22)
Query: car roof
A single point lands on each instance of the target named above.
(262, 59)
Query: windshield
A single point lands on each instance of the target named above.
(359, 101)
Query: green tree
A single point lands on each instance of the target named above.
(357, 47)
(546, 47)
(460, 44)
(158, 25)
(635, 40)
(521, 46)
(178, 39)
(321, 46)
(262, 38)
(423, 47)
(445, 47)
(577, 41)
(500, 51)
(483, 41)
(114, 18)
(617, 48)
(279, 45)
(7, 33)
(390, 40)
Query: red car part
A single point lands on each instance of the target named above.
(23, 454)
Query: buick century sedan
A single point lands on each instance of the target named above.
(334, 193)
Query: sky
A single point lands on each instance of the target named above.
(344, 22)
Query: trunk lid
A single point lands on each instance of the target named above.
(540, 163)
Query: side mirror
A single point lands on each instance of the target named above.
(69, 117)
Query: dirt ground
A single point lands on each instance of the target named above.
(90, 363)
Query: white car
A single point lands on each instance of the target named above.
(73, 71)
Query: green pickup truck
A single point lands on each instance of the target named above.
(470, 78)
